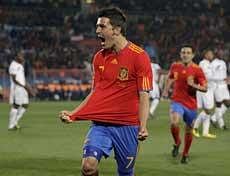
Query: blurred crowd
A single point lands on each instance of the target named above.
(60, 34)
(62, 91)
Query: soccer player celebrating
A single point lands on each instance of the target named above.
(187, 78)
(118, 104)
(19, 90)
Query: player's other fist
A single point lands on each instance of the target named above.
(65, 116)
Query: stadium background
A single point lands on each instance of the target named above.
(58, 37)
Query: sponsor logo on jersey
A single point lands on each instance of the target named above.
(114, 61)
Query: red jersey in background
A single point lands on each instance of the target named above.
(182, 92)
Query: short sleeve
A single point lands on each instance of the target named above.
(13, 69)
(144, 72)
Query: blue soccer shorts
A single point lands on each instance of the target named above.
(188, 115)
(103, 138)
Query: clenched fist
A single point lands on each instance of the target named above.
(65, 116)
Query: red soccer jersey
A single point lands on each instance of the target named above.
(118, 78)
(182, 92)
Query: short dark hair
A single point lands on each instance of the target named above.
(18, 51)
(206, 50)
(188, 46)
(116, 16)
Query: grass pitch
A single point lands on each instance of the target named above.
(46, 147)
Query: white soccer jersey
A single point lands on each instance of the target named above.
(18, 94)
(206, 99)
(206, 66)
(155, 70)
(155, 93)
(219, 75)
(219, 71)
(17, 70)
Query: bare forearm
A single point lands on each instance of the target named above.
(17, 82)
(144, 108)
(168, 85)
(199, 87)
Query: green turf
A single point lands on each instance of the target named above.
(46, 147)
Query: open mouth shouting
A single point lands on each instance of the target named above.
(102, 39)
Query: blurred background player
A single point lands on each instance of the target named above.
(221, 92)
(205, 100)
(187, 78)
(155, 93)
(19, 90)
(118, 104)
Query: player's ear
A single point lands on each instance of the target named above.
(117, 30)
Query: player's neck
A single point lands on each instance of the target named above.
(207, 60)
(189, 63)
(120, 43)
(18, 61)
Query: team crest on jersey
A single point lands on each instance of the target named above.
(123, 74)
(101, 67)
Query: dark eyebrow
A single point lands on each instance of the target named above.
(100, 25)
(186, 51)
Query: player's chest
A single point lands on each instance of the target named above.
(113, 67)
(183, 73)
(217, 66)
(19, 70)
(206, 66)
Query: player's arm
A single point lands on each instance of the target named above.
(16, 81)
(202, 82)
(168, 85)
(161, 72)
(171, 77)
(26, 86)
(143, 114)
(200, 87)
(144, 83)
